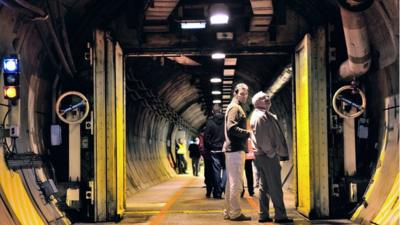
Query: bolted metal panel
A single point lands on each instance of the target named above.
(109, 125)
(303, 148)
(319, 124)
(120, 129)
(99, 124)
(311, 127)
(110, 89)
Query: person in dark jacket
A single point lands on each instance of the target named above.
(214, 140)
(194, 154)
(208, 174)
(235, 146)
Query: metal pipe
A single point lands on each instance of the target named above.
(357, 44)
(58, 48)
(32, 8)
(66, 39)
(14, 6)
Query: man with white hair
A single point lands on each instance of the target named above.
(271, 148)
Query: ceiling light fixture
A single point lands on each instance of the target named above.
(215, 80)
(218, 55)
(193, 24)
(216, 92)
(219, 14)
(217, 101)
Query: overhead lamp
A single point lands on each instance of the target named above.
(219, 14)
(218, 55)
(229, 72)
(216, 101)
(228, 82)
(216, 92)
(193, 24)
(215, 80)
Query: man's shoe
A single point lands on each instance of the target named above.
(226, 217)
(284, 220)
(265, 220)
(218, 197)
(241, 217)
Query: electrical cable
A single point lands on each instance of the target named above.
(5, 144)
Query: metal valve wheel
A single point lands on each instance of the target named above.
(72, 107)
(338, 96)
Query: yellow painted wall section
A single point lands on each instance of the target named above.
(389, 213)
(121, 130)
(302, 125)
(383, 196)
(16, 195)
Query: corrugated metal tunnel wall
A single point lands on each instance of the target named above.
(147, 159)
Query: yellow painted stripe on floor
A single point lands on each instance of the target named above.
(252, 203)
(181, 212)
(157, 219)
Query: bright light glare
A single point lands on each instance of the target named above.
(10, 65)
(193, 25)
(215, 80)
(218, 55)
(219, 19)
(216, 101)
(216, 92)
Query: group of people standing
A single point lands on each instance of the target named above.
(226, 139)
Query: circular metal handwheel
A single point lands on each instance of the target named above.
(75, 107)
(339, 97)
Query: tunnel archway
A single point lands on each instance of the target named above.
(48, 71)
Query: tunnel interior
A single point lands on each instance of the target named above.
(167, 94)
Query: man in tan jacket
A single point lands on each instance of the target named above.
(235, 146)
(270, 147)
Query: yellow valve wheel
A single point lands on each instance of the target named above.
(338, 97)
(72, 107)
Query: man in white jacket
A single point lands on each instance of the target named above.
(270, 145)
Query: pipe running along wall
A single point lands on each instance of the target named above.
(356, 36)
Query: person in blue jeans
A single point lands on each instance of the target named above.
(214, 140)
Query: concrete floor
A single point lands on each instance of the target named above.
(182, 201)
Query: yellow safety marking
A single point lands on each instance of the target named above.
(120, 130)
(157, 219)
(303, 128)
(206, 211)
(252, 203)
(16, 196)
(390, 207)
(375, 177)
